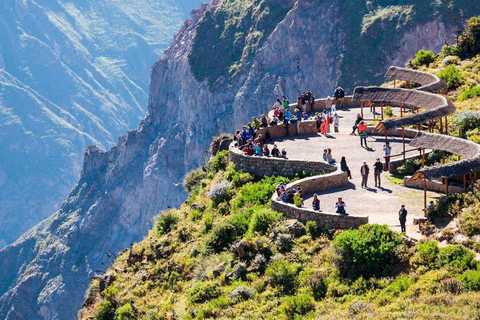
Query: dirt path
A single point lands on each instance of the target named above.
(380, 204)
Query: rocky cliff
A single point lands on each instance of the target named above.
(275, 48)
(71, 74)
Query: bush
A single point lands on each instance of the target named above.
(219, 192)
(452, 76)
(410, 167)
(451, 51)
(389, 112)
(317, 282)
(105, 311)
(471, 280)
(456, 257)
(191, 182)
(219, 162)
(470, 221)
(424, 57)
(204, 291)
(241, 293)
(358, 307)
(452, 285)
(126, 312)
(466, 121)
(451, 60)
(222, 236)
(166, 221)
(372, 250)
(259, 262)
(253, 194)
(425, 254)
(469, 94)
(283, 275)
(474, 135)
(262, 219)
(298, 305)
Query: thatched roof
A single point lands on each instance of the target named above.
(468, 150)
(428, 81)
(435, 106)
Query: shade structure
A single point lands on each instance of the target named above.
(428, 82)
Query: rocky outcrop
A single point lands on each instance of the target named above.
(121, 189)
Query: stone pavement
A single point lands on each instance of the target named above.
(380, 204)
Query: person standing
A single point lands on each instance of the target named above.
(364, 171)
(336, 122)
(378, 168)
(388, 152)
(328, 104)
(316, 203)
(362, 132)
(402, 216)
(340, 206)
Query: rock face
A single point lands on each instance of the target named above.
(121, 189)
(72, 73)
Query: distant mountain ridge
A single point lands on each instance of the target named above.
(72, 73)
(121, 189)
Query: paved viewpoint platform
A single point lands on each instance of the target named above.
(381, 205)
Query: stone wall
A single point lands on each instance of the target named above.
(327, 220)
(267, 166)
(307, 127)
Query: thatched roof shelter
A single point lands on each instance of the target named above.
(435, 106)
(468, 150)
(428, 81)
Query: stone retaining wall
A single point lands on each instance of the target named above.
(307, 127)
(327, 220)
(267, 166)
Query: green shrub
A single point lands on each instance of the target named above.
(372, 250)
(283, 275)
(204, 291)
(166, 222)
(253, 194)
(474, 135)
(298, 305)
(470, 221)
(222, 235)
(317, 282)
(208, 223)
(400, 285)
(389, 112)
(425, 254)
(466, 121)
(105, 311)
(451, 51)
(126, 312)
(456, 257)
(424, 57)
(471, 280)
(312, 229)
(191, 183)
(241, 293)
(410, 167)
(237, 178)
(219, 162)
(452, 76)
(262, 219)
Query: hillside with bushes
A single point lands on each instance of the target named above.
(224, 254)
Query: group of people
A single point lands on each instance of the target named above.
(325, 119)
(291, 195)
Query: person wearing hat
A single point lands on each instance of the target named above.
(402, 216)
(378, 168)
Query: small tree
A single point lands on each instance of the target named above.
(452, 76)
(424, 58)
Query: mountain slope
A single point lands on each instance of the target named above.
(121, 189)
(71, 74)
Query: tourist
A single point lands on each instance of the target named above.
(251, 130)
(255, 123)
(239, 140)
(275, 120)
(340, 206)
(248, 149)
(378, 168)
(388, 152)
(245, 134)
(330, 159)
(284, 153)
(402, 216)
(299, 119)
(362, 131)
(285, 104)
(283, 197)
(339, 96)
(318, 119)
(310, 98)
(257, 148)
(290, 196)
(325, 122)
(297, 199)
(260, 140)
(286, 124)
(316, 203)
(278, 104)
(336, 122)
(275, 151)
(263, 121)
(344, 167)
(357, 121)
(325, 151)
(328, 104)
(305, 116)
(364, 171)
(266, 151)
(431, 206)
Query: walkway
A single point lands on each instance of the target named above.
(380, 204)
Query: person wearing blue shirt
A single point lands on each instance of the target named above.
(340, 206)
(316, 203)
(245, 134)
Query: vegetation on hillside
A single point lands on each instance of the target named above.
(237, 259)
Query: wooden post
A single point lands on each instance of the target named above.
(423, 158)
(401, 112)
(394, 83)
(381, 108)
(361, 108)
(403, 140)
(446, 125)
(441, 125)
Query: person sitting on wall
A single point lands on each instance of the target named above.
(274, 121)
(357, 121)
(310, 98)
(260, 140)
(257, 148)
(344, 167)
(266, 151)
(297, 199)
(245, 134)
(284, 153)
(330, 159)
(263, 121)
(305, 116)
(325, 151)
(290, 196)
(275, 151)
(251, 130)
(339, 96)
(255, 123)
(340, 206)
(285, 104)
(316, 203)
(248, 149)
(283, 197)
(239, 141)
